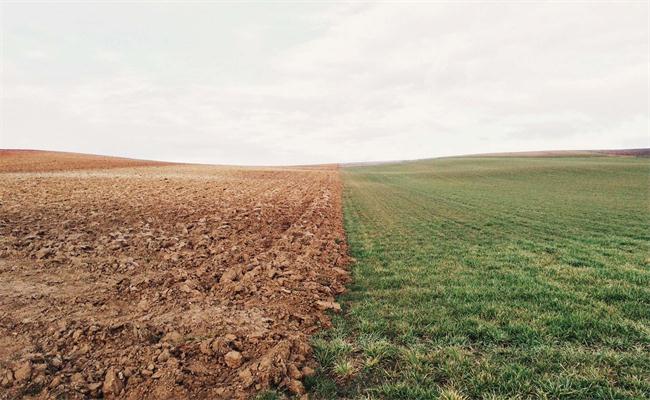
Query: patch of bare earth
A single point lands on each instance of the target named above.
(42, 161)
(165, 282)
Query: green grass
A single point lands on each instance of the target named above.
(494, 278)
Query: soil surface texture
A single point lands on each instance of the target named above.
(166, 281)
(42, 161)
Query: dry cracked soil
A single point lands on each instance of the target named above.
(134, 279)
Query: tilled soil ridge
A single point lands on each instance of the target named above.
(44, 161)
(166, 282)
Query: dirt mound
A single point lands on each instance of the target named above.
(166, 282)
(42, 161)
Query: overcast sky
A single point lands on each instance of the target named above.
(290, 83)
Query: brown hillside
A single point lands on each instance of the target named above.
(43, 161)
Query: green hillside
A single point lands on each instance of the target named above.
(494, 278)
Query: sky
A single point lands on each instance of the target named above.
(279, 83)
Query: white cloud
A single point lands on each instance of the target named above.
(278, 84)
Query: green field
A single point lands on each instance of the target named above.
(494, 278)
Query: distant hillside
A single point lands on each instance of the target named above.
(42, 161)
(548, 153)
(568, 153)
(626, 152)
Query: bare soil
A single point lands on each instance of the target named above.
(42, 161)
(165, 282)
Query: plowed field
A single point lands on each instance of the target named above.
(43, 161)
(171, 281)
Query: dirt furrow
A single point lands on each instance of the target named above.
(166, 282)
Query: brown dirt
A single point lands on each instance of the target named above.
(165, 282)
(42, 161)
